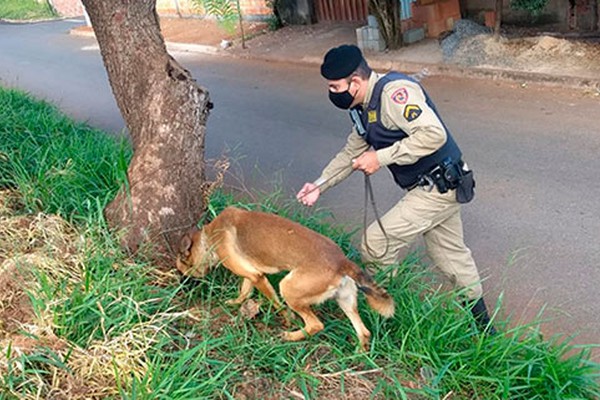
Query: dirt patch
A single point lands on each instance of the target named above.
(205, 31)
(15, 306)
(29, 243)
(301, 42)
(197, 30)
(469, 46)
(544, 54)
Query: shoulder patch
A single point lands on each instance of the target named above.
(400, 96)
(412, 112)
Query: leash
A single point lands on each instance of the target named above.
(369, 194)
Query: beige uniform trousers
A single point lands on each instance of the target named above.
(437, 217)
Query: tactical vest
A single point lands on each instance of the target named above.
(379, 137)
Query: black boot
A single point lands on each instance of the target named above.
(480, 313)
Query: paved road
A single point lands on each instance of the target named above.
(534, 225)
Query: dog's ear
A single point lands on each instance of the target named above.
(185, 244)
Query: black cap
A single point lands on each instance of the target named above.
(340, 62)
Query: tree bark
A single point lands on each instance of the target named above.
(595, 16)
(165, 112)
(387, 13)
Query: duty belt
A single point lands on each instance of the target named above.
(445, 176)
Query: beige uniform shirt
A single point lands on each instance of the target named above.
(403, 107)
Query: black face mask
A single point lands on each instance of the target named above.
(341, 100)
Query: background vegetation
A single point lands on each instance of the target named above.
(533, 7)
(25, 10)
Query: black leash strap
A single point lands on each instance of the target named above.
(369, 194)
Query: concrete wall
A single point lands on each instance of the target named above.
(68, 8)
(250, 8)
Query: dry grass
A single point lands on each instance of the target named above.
(94, 372)
(47, 244)
(30, 244)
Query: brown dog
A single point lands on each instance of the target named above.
(251, 244)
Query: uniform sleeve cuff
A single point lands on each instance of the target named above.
(384, 157)
(320, 181)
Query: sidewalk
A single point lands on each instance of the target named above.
(545, 60)
(308, 45)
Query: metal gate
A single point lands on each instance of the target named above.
(341, 10)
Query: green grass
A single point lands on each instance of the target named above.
(429, 350)
(60, 166)
(25, 10)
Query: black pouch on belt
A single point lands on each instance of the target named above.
(466, 188)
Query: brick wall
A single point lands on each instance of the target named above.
(436, 16)
(255, 8)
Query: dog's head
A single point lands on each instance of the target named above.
(195, 257)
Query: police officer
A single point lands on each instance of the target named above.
(396, 125)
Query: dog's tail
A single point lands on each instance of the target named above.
(378, 298)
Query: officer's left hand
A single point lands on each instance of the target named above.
(367, 162)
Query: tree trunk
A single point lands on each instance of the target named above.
(595, 16)
(177, 10)
(498, 21)
(165, 112)
(387, 13)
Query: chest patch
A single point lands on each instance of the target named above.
(400, 96)
(412, 112)
(372, 116)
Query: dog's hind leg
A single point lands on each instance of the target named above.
(299, 299)
(245, 292)
(346, 298)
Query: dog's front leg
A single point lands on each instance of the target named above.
(245, 292)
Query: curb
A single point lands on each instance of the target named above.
(194, 48)
(186, 47)
(30, 21)
(501, 75)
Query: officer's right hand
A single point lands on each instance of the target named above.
(309, 194)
